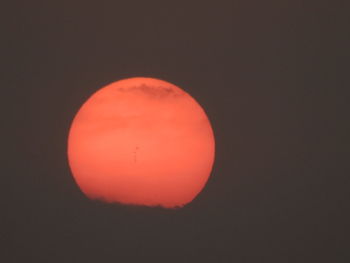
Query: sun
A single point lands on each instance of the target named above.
(141, 141)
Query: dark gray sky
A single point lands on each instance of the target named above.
(272, 78)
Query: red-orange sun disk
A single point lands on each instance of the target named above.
(141, 141)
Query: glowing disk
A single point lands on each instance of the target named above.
(141, 141)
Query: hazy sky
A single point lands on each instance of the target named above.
(272, 78)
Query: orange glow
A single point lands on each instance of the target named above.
(141, 141)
